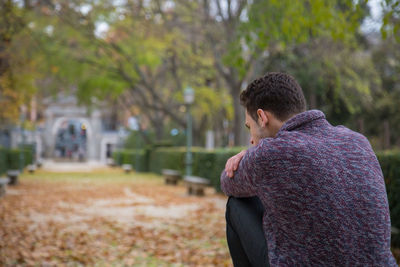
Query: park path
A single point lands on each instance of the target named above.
(90, 166)
(107, 218)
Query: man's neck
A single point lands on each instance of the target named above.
(276, 124)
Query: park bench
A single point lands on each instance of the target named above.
(127, 168)
(110, 162)
(171, 176)
(39, 163)
(13, 176)
(196, 185)
(3, 184)
(31, 168)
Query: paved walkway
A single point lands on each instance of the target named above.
(54, 166)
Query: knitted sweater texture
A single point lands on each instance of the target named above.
(323, 192)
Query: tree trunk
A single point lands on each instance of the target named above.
(313, 101)
(361, 128)
(386, 134)
(159, 129)
(238, 119)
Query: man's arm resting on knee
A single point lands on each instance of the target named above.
(238, 178)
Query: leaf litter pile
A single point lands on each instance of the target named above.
(109, 219)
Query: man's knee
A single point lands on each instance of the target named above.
(230, 203)
(229, 207)
(237, 207)
(243, 207)
(233, 205)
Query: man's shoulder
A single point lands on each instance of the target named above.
(310, 139)
(350, 136)
(275, 148)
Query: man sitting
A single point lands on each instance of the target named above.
(307, 193)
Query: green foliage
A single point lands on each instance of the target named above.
(340, 83)
(386, 58)
(148, 140)
(143, 61)
(285, 23)
(18, 65)
(209, 164)
(206, 163)
(390, 164)
(391, 19)
(137, 158)
(13, 161)
(167, 158)
(135, 140)
(214, 101)
(3, 160)
(117, 157)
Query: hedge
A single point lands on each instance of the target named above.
(14, 157)
(167, 158)
(206, 163)
(209, 164)
(390, 164)
(3, 160)
(10, 158)
(137, 158)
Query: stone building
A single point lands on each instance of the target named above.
(70, 132)
(75, 132)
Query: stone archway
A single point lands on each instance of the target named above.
(57, 125)
(66, 108)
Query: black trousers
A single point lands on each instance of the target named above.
(244, 232)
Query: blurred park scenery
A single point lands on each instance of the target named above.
(90, 86)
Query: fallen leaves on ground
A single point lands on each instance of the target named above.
(132, 222)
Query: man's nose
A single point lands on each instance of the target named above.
(251, 141)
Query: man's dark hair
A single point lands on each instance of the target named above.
(276, 92)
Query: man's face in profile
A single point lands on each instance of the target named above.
(257, 132)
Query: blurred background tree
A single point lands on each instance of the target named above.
(138, 57)
(16, 63)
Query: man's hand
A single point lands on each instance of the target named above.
(233, 163)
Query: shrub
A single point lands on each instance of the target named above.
(221, 156)
(3, 160)
(117, 157)
(390, 164)
(14, 160)
(167, 158)
(29, 153)
(207, 164)
(137, 158)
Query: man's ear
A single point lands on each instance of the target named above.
(262, 117)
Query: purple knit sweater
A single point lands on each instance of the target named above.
(323, 192)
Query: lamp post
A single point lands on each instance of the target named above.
(189, 99)
(137, 143)
(120, 146)
(22, 144)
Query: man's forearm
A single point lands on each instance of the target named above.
(241, 184)
(233, 163)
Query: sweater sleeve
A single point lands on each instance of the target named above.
(243, 183)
